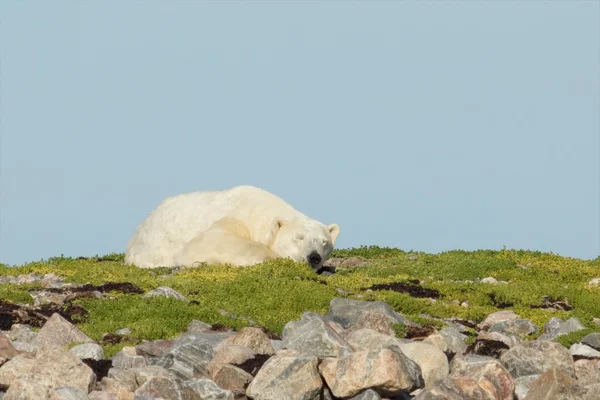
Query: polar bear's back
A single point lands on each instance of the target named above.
(180, 218)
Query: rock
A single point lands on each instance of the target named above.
(190, 360)
(518, 327)
(537, 357)
(58, 331)
(313, 336)
(594, 282)
(21, 333)
(157, 348)
(492, 281)
(522, 385)
(490, 375)
(587, 371)
(123, 332)
(165, 291)
(125, 360)
(7, 350)
(43, 297)
(88, 350)
(212, 338)
(69, 393)
(453, 388)
(386, 370)
(197, 326)
(254, 339)
(117, 389)
(375, 321)
(208, 390)
(229, 354)
(493, 343)
(366, 339)
(58, 366)
(369, 394)
(144, 373)
(167, 388)
(556, 383)
(437, 340)
(287, 375)
(23, 389)
(579, 350)
(349, 312)
(101, 395)
(126, 377)
(432, 361)
(232, 378)
(337, 262)
(592, 340)
(498, 316)
(556, 327)
(23, 347)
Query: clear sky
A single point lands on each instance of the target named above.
(427, 126)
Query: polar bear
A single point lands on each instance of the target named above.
(269, 220)
(227, 241)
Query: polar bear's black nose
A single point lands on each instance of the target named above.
(314, 258)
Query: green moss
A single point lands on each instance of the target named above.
(273, 293)
(574, 337)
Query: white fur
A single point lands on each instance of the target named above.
(227, 241)
(269, 220)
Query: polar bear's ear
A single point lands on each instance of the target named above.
(275, 226)
(334, 231)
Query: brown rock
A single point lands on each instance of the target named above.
(287, 375)
(537, 357)
(59, 331)
(7, 350)
(252, 338)
(587, 371)
(117, 389)
(491, 375)
(167, 388)
(386, 370)
(233, 378)
(556, 383)
(229, 354)
(375, 321)
(499, 316)
(454, 388)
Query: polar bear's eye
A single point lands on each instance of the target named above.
(299, 237)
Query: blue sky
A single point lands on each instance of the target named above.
(426, 126)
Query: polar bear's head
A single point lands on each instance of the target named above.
(304, 240)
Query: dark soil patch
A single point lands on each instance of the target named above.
(110, 338)
(253, 365)
(270, 335)
(219, 327)
(498, 303)
(492, 348)
(36, 316)
(420, 333)
(550, 303)
(100, 367)
(413, 290)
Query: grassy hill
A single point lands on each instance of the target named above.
(423, 287)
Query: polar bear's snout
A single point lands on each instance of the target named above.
(314, 259)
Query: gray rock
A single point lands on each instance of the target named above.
(69, 393)
(579, 350)
(557, 327)
(196, 326)
(125, 360)
(165, 291)
(208, 390)
(191, 359)
(349, 312)
(21, 333)
(494, 343)
(498, 316)
(167, 388)
(519, 327)
(287, 375)
(123, 332)
(23, 389)
(88, 350)
(592, 340)
(454, 340)
(537, 357)
(126, 377)
(369, 394)
(252, 338)
(232, 378)
(26, 347)
(587, 371)
(156, 348)
(556, 383)
(314, 337)
(522, 385)
(453, 388)
(213, 338)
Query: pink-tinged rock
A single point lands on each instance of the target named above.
(7, 350)
(587, 371)
(287, 375)
(491, 375)
(58, 331)
(252, 338)
(233, 378)
(454, 388)
(555, 383)
(537, 357)
(229, 354)
(499, 316)
(388, 371)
